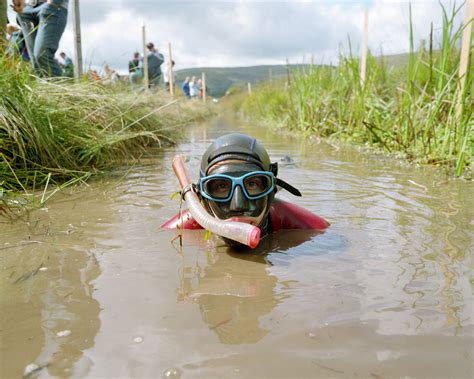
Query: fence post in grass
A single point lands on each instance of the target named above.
(76, 21)
(363, 50)
(465, 49)
(145, 59)
(270, 74)
(170, 70)
(204, 87)
(3, 22)
(249, 88)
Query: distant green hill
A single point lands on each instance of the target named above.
(220, 79)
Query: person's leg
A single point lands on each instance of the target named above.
(29, 21)
(154, 83)
(52, 22)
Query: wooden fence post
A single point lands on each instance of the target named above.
(465, 50)
(249, 88)
(170, 70)
(76, 21)
(204, 87)
(145, 59)
(363, 50)
(3, 22)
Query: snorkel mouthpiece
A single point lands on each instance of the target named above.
(237, 231)
(254, 238)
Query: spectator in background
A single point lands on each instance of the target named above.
(94, 75)
(193, 88)
(155, 60)
(134, 71)
(185, 87)
(110, 75)
(16, 43)
(67, 66)
(200, 88)
(43, 23)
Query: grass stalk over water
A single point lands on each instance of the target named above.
(409, 109)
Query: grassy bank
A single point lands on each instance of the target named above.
(411, 109)
(55, 132)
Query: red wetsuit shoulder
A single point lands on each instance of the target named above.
(182, 221)
(284, 215)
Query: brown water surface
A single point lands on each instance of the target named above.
(92, 287)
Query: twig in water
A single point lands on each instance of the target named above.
(418, 185)
(326, 367)
(19, 244)
(28, 274)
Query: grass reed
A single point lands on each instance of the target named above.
(409, 109)
(55, 132)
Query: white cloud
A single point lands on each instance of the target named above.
(240, 33)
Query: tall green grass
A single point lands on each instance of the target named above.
(409, 109)
(54, 131)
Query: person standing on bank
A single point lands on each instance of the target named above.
(67, 66)
(43, 23)
(134, 71)
(155, 60)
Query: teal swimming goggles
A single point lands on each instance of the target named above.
(221, 188)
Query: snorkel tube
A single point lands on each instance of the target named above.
(237, 231)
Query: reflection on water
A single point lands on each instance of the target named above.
(232, 293)
(49, 313)
(385, 292)
(235, 289)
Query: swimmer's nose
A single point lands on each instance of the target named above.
(239, 201)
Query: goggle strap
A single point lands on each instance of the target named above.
(288, 187)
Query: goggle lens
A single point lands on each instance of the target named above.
(257, 184)
(218, 188)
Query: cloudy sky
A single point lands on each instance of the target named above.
(247, 32)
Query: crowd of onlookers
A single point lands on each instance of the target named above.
(193, 88)
(17, 47)
(36, 40)
(154, 62)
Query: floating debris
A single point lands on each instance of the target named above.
(138, 339)
(32, 368)
(43, 269)
(172, 373)
(311, 335)
(63, 333)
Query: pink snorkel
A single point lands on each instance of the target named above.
(237, 231)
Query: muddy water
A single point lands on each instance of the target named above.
(92, 287)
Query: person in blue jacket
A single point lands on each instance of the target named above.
(155, 60)
(185, 87)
